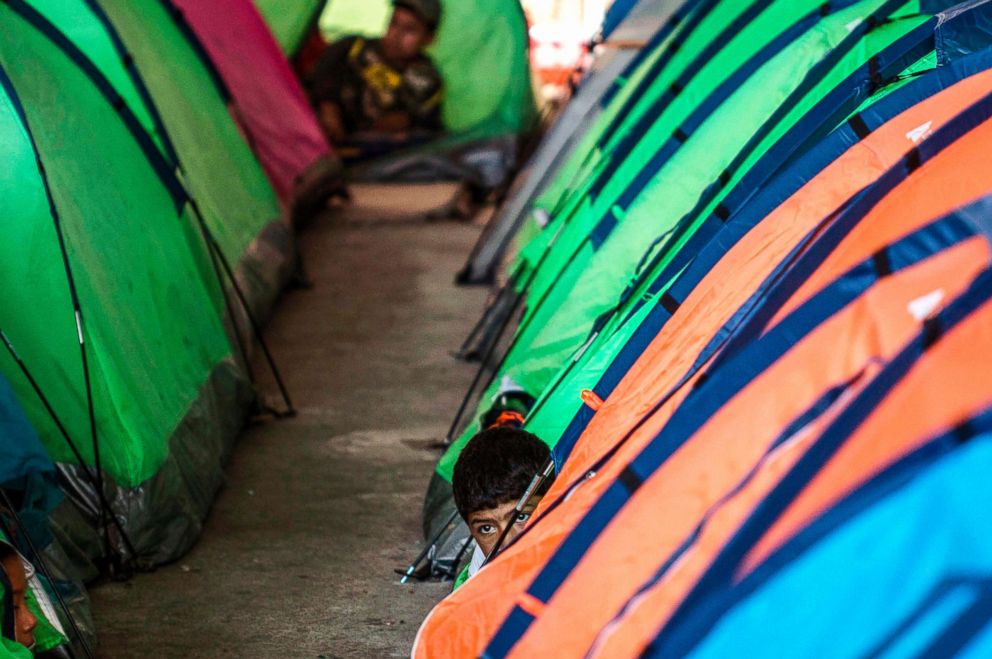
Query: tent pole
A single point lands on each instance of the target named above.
(529, 493)
(103, 503)
(427, 549)
(8, 85)
(256, 329)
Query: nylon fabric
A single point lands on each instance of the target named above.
(269, 101)
(579, 279)
(516, 565)
(212, 152)
(147, 366)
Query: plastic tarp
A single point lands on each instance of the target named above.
(270, 103)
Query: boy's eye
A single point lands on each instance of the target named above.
(486, 529)
(522, 517)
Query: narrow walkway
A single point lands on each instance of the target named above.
(298, 555)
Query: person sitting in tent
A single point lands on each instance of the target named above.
(30, 627)
(19, 622)
(492, 474)
(376, 95)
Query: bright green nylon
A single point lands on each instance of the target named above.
(585, 287)
(482, 51)
(46, 637)
(13, 650)
(561, 402)
(588, 157)
(749, 41)
(153, 333)
(220, 170)
(289, 20)
(76, 20)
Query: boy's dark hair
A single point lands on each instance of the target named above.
(495, 467)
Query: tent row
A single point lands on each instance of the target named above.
(487, 77)
(488, 109)
(152, 173)
(752, 302)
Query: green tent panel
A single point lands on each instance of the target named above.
(77, 21)
(560, 404)
(290, 20)
(579, 278)
(219, 169)
(165, 390)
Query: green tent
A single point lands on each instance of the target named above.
(488, 89)
(111, 299)
(746, 75)
(290, 20)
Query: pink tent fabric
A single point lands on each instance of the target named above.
(269, 101)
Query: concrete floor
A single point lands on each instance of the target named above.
(298, 555)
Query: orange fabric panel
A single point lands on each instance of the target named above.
(938, 193)
(743, 269)
(914, 411)
(911, 414)
(464, 622)
(663, 512)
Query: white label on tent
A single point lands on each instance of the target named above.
(920, 133)
(541, 217)
(923, 307)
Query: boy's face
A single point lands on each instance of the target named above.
(24, 620)
(488, 525)
(406, 36)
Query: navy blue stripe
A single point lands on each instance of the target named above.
(813, 77)
(686, 633)
(679, 635)
(781, 285)
(658, 107)
(137, 80)
(760, 206)
(824, 116)
(967, 626)
(194, 43)
(816, 410)
(656, 41)
(517, 617)
(616, 15)
(702, 112)
(163, 169)
(685, 422)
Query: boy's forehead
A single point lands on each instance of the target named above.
(499, 511)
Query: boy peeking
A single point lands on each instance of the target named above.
(491, 476)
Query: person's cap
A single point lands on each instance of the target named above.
(429, 11)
